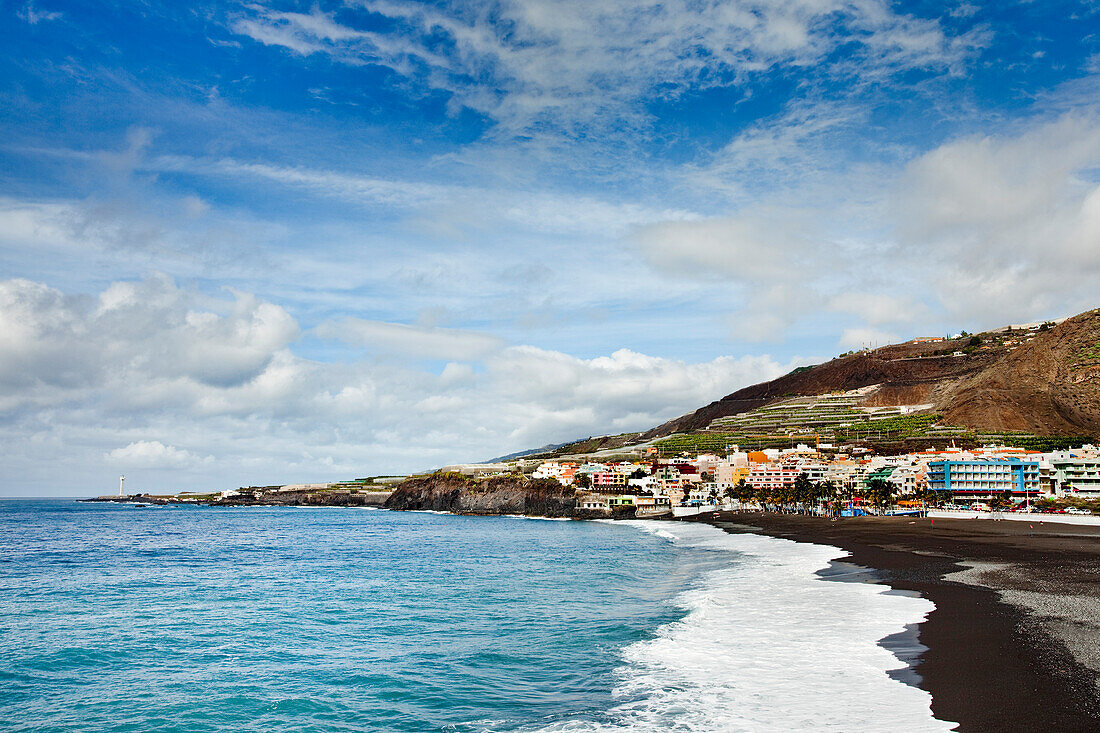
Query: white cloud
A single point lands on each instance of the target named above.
(866, 338)
(1007, 226)
(441, 206)
(151, 454)
(566, 65)
(204, 393)
(143, 331)
(752, 248)
(410, 340)
(976, 232)
(877, 309)
(777, 267)
(34, 16)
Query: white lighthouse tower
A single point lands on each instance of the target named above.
(121, 483)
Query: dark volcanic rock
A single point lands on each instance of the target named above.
(448, 492)
(306, 498)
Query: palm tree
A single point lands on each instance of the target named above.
(826, 490)
(881, 493)
(803, 491)
(744, 492)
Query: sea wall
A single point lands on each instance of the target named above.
(451, 492)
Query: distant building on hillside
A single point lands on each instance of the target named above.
(605, 480)
(479, 469)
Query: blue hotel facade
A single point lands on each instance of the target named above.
(980, 479)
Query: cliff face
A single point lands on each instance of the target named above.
(1050, 385)
(497, 495)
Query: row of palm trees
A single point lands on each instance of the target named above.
(805, 496)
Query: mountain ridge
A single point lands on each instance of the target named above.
(1041, 379)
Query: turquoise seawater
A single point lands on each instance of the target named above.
(116, 618)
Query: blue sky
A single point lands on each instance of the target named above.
(248, 243)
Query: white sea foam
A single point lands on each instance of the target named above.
(539, 519)
(767, 645)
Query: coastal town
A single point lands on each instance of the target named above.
(822, 479)
(827, 479)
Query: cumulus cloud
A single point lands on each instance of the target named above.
(778, 266)
(877, 309)
(866, 338)
(976, 232)
(151, 454)
(189, 391)
(144, 328)
(1007, 225)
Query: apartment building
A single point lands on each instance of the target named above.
(771, 476)
(1076, 477)
(982, 478)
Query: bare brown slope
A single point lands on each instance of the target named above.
(1048, 386)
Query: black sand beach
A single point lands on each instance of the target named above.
(1014, 641)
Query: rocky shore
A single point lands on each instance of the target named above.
(279, 498)
(1012, 643)
(440, 491)
(458, 494)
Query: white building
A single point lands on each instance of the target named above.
(1076, 477)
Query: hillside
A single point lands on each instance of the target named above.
(1038, 380)
(1043, 381)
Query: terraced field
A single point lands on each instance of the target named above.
(839, 418)
(832, 413)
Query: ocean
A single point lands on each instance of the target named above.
(121, 618)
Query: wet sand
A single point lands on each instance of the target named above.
(1014, 641)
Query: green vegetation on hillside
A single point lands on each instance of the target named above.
(1090, 351)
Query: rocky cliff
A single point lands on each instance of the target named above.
(450, 492)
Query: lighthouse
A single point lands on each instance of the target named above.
(121, 482)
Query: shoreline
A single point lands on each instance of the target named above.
(1012, 641)
(1016, 613)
